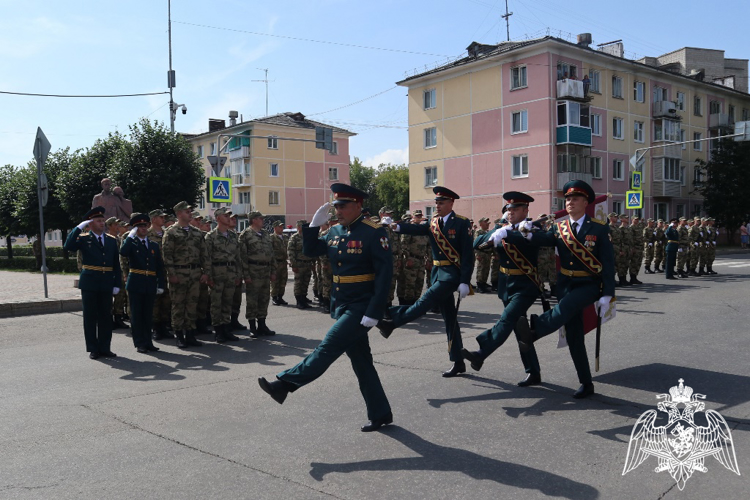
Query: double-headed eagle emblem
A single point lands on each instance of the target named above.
(680, 445)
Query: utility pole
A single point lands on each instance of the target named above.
(266, 81)
(507, 20)
(170, 74)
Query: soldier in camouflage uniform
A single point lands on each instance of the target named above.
(626, 249)
(406, 219)
(256, 251)
(162, 306)
(184, 252)
(546, 263)
(301, 266)
(223, 270)
(696, 236)
(235, 325)
(326, 273)
(649, 238)
(483, 257)
(386, 219)
(636, 257)
(280, 242)
(203, 306)
(416, 251)
(615, 236)
(713, 236)
(112, 226)
(660, 244)
(683, 257)
(703, 253)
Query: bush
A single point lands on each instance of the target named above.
(54, 264)
(26, 251)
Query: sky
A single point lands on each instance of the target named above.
(336, 61)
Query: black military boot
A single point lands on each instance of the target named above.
(483, 288)
(263, 328)
(634, 280)
(327, 306)
(219, 336)
(228, 333)
(658, 269)
(235, 324)
(624, 281)
(190, 339)
(157, 335)
(711, 270)
(301, 302)
(691, 272)
(307, 301)
(648, 269)
(180, 334)
(275, 301)
(493, 287)
(117, 322)
(201, 328)
(282, 301)
(253, 328)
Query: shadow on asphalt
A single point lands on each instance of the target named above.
(434, 457)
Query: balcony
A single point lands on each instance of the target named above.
(571, 89)
(666, 188)
(241, 152)
(720, 120)
(573, 134)
(565, 177)
(242, 209)
(668, 150)
(665, 109)
(242, 180)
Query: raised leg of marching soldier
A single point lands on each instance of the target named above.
(236, 307)
(161, 314)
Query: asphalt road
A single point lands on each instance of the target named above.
(195, 424)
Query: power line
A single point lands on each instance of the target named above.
(353, 103)
(81, 96)
(312, 40)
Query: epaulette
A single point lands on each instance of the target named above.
(598, 221)
(461, 216)
(110, 236)
(370, 223)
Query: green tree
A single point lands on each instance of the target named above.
(392, 188)
(157, 168)
(9, 225)
(364, 178)
(724, 190)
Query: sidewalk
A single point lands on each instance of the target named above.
(22, 294)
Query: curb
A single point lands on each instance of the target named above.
(45, 306)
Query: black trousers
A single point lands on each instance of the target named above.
(141, 317)
(97, 320)
(671, 262)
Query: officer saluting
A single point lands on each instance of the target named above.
(100, 279)
(362, 262)
(586, 276)
(145, 280)
(453, 264)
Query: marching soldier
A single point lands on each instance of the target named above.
(280, 242)
(119, 302)
(184, 253)
(673, 243)
(301, 267)
(223, 270)
(615, 236)
(100, 279)
(519, 285)
(586, 277)
(703, 248)
(659, 244)
(162, 306)
(483, 257)
(235, 325)
(626, 250)
(636, 258)
(649, 238)
(683, 257)
(713, 236)
(416, 251)
(360, 254)
(256, 252)
(696, 236)
(145, 280)
(453, 261)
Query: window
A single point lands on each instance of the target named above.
(671, 169)
(334, 148)
(200, 151)
(429, 211)
(639, 88)
(697, 146)
(518, 77)
(519, 122)
(520, 166)
(617, 207)
(680, 101)
(273, 142)
(214, 206)
(679, 210)
(430, 137)
(617, 87)
(568, 163)
(660, 211)
(429, 99)
(660, 94)
(682, 138)
(273, 197)
(714, 107)
(274, 170)
(745, 114)
(566, 70)
(213, 148)
(596, 167)
(242, 225)
(596, 125)
(697, 106)
(243, 197)
(595, 81)
(730, 113)
(638, 131)
(697, 176)
(201, 202)
(697, 210)
(430, 176)
(666, 130)
(333, 173)
(617, 128)
(572, 113)
(617, 171)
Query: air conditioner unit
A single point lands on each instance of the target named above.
(665, 108)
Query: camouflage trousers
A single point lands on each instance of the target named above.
(258, 292)
(494, 268)
(710, 255)
(222, 296)
(683, 257)
(120, 302)
(483, 266)
(282, 275)
(658, 254)
(696, 256)
(623, 262)
(648, 252)
(162, 308)
(237, 299)
(204, 302)
(302, 278)
(411, 280)
(636, 259)
(326, 278)
(184, 297)
(315, 269)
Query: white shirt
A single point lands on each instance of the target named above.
(445, 219)
(144, 241)
(579, 221)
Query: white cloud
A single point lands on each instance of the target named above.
(393, 156)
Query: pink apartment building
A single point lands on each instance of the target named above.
(516, 116)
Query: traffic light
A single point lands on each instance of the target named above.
(324, 138)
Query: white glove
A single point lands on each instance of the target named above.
(386, 220)
(498, 235)
(650, 244)
(525, 226)
(463, 290)
(603, 305)
(321, 216)
(84, 224)
(679, 250)
(696, 243)
(115, 290)
(701, 234)
(654, 233)
(397, 229)
(368, 322)
(714, 243)
(159, 291)
(132, 232)
(505, 216)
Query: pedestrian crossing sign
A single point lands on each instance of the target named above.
(633, 200)
(635, 180)
(220, 190)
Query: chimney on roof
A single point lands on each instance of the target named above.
(697, 74)
(297, 117)
(233, 118)
(215, 124)
(584, 39)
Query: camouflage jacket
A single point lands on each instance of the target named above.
(696, 234)
(684, 237)
(280, 243)
(256, 249)
(223, 250)
(296, 256)
(638, 235)
(183, 246)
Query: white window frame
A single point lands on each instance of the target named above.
(523, 115)
(430, 137)
(273, 142)
(201, 151)
(243, 197)
(333, 173)
(242, 224)
(615, 121)
(596, 124)
(617, 87)
(595, 81)
(697, 106)
(638, 131)
(671, 169)
(201, 202)
(714, 105)
(659, 94)
(522, 162)
(430, 176)
(429, 211)
(697, 146)
(596, 167)
(683, 138)
(212, 148)
(680, 101)
(617, 207)
(334, 148)
(518, 74)
(274, 199)
(270, 169)
(618, 166)
(572, 70)
(429, 99)
(639, 90)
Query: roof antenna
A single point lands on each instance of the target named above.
(507, 20)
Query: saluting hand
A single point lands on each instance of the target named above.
(83, 225)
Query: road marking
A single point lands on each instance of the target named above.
(740, 265)
(729, 262)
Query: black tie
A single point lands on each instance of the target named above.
(575, 227)
(143, 242)
(101, 241)
(440, 222)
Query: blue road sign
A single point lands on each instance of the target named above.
(220, 190)
(633, 200)
(635, 180)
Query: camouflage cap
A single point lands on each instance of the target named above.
(683, 218)
(254, 215)
(183, 205)
(417, 213)
(484, 219)
(613, 214)
(278, 223)
(156, 213)
(223, 211)
(110, 221)
(696, 218)
(660, 221)
(650, 220)
(498, 220)
(195, 214)
(170, 218)
(385, 210)
(704, 219)
(301, 222)
(711, 219)
(122, 223)
(624, 216)
(375, 219)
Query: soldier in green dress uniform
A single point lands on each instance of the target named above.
(360, 255)
(673, 244)
(162, 307)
